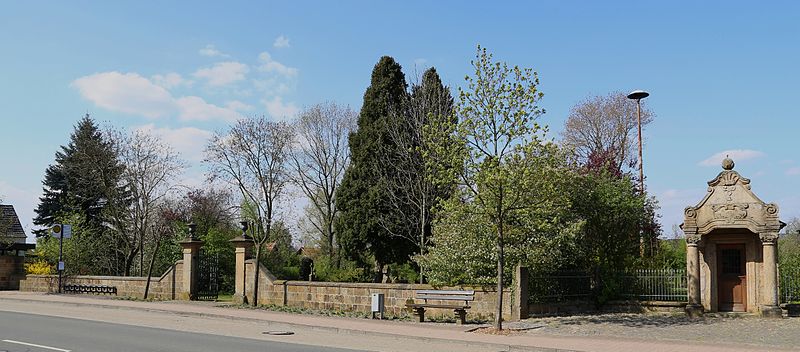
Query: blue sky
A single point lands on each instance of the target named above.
(722, 74)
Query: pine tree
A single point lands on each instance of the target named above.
(85, 180)
(367, 222)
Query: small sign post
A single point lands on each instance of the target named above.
(61, 231)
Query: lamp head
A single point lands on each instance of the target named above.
(638, 94)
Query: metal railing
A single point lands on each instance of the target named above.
(656, 285)
(643, 284)
(789, 284)
(560, 287)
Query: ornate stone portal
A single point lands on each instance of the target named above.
(731, 254)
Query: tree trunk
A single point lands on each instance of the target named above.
(129, 259)
(141, 254)
(422, 222)
(498, 319)
(150, 269)
(257, 273)
(329, 229)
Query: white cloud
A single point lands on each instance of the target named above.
(168, 81)
(272, 86)
(128, 93)
(793, 171)
(131, 93)
(195, 108)
(238, 106)
(190, 142)
(281, 42)
(735, 154)
(211, 51)
(223, 73)
(279, 111)
(270, 65)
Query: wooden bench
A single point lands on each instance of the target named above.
(442, 299)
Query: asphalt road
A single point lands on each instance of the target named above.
(37, 333)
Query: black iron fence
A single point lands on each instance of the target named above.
(644, 284)
(656, 285)
(789, 284)
(560, 287)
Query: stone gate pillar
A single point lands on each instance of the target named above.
(770, 306)
(695, 306)
(191, 260)
(243, 245)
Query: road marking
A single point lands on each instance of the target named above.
(35, 345)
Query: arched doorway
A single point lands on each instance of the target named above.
(731, 238)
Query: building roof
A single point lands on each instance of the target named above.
(10, 227)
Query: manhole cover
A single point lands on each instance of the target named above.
(278, 332)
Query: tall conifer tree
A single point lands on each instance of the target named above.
(367, 221)
(85, 180)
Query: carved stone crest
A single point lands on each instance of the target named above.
(729, 178)
(730, 212)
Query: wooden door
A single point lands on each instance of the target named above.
(731, 278)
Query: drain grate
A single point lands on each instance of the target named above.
(278, 332)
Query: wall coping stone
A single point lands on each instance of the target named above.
(387, 286)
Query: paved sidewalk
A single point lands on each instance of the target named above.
(407, 335)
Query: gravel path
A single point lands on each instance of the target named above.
(729, 329)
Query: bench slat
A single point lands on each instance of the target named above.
(442, 306)
(445, 292)
(446, 298)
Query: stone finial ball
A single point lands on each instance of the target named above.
(727, 164)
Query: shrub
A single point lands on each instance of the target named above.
(39, 267)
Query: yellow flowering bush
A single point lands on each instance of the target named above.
(39, 267)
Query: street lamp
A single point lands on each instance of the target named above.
(638, 95)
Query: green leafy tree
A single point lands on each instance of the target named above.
(497, 115)
(367, 221)
(78, 250)
(281, 256)
(789, 245)
(613, 212)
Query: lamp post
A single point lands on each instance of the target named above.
(638, 95)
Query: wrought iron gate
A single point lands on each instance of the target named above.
(207, 277)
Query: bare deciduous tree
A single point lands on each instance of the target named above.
(152, 168)
(162, 228)
(254, 157)
(602, 125)
(320, 158)
(422, 126)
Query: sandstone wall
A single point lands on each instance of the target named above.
(356, 297)
(162, 288)
(11, 271)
